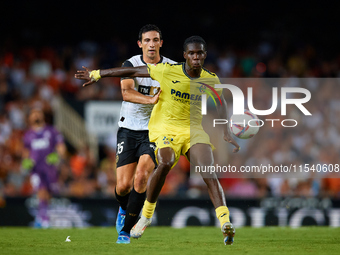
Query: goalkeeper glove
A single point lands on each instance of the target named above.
(27, 164)
(52, 158)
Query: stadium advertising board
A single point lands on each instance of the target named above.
(102, 118)
(291, 212)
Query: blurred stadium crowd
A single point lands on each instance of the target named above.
(33, 76)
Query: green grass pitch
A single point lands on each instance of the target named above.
(166, 240)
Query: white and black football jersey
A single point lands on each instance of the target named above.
(136, 116)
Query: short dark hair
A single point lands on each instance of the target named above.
(194, 39)
(147, 28)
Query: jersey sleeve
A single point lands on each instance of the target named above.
(127, 63)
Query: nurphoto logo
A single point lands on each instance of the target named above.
(239, 102)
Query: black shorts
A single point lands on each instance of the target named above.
(131, 145)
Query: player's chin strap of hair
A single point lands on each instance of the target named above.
(95, 75)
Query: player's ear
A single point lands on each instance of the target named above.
(161, 43)
(139, 44)
(185, 55)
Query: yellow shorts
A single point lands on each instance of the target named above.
(180, 142)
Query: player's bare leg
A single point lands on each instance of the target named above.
(144, 169)
(125, 176)
(201, 155)
(166, 158)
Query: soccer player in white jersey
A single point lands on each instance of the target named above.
(135, 153)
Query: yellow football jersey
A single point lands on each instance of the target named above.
(179, 105)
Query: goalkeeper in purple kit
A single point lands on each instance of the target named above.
(43, 147)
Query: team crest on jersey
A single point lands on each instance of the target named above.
(203, 89)
(167, 140)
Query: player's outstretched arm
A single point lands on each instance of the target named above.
(227, 136)
(91, 76)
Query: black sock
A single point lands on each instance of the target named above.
(122, 200)
(134, 207)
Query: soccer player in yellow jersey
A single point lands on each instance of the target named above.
(172, 129)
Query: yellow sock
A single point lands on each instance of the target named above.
(148, 209)
(222, 214)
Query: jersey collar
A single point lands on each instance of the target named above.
(160, 61)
